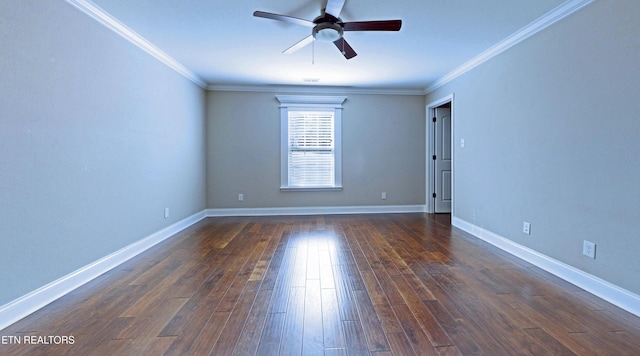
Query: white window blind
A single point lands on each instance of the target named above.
(310, 142)
(311, 149)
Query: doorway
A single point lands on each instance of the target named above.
(440, 156)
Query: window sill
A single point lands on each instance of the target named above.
(309, 189)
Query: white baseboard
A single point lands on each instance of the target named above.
(592, 284)
(29, 303)
(321, 210)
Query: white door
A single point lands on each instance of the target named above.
(442, 160)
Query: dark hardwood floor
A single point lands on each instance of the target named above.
(383, 284)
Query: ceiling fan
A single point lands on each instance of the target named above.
(329, 27)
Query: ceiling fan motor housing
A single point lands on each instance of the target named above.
(327, 31)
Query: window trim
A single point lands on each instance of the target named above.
(310, 103)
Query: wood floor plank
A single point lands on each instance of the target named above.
(547, 344)
(464, 343)
(205, 339)
(547, 319)
(488, 289)
(313, 260)
(326, 266)
(195, 313)
(371, 326)
(249, 338)
(275, 264)
(335, 352)
(208, 286)
(344, 292)
(225, 238)
(237, 287)
(483, 317)
(284, 277)
(294, 323)
(355, 338)
(392, 251)
(300, 262)
(409, 296)
(417, 337)
(147, 327)
(237, 319)
(312, 337)
(398, 341)
(271, 334)
(331, 322)
(380, 284)
(380, 272)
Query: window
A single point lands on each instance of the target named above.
(311, 154)
(311, 149)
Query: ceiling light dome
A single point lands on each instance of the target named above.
(327, 31)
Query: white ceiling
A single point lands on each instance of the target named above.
(225, 45)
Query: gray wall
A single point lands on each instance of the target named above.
(551, 132)
(383, 150)
(96, 139)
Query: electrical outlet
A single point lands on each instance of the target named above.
(526, 227)
(384, 196)
(589, 249)
(240, 197)
(166, 213)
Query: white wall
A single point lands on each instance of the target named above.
(551, 131)
(96, 139)
(383, 150)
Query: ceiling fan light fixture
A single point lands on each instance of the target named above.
(328, 27)
(327, 31)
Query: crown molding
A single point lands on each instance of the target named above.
(125, 32)
(314, 89)
(553, 16)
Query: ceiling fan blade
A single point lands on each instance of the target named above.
(285, 18)
(344, 47)
(334, 7)
(305, 41)
(388, 25)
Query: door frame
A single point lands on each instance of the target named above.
(430, 165)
